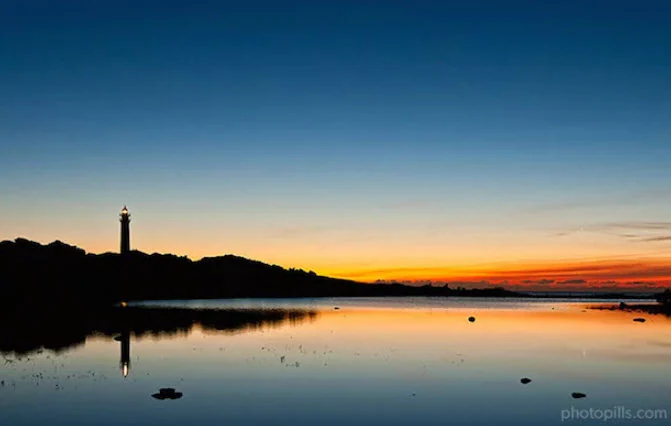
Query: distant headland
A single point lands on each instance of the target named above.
(30, 272)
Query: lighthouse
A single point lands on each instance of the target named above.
(124, 218)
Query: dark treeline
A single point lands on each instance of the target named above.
(25, 332)
(31, 272)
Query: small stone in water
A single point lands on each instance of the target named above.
(167, 393)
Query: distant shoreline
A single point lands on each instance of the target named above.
(652, 308)
(36, 274)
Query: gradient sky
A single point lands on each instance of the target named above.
(525, 142)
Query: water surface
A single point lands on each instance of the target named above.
(391, 361)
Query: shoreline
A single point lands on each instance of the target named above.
(652, 308)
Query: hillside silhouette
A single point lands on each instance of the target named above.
(31, 272)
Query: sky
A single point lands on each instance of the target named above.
(521, 143)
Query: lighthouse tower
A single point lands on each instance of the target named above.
(124, 218)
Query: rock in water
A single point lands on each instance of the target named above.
(167, 393)
(525, 380)
(578, 395)
(471, 319)
(623, 305)
(639, 319)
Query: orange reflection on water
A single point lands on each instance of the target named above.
(555, 340)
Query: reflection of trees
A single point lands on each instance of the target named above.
(25, 332)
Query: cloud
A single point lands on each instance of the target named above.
(643, 283)
(608, 285)
(631, 198)
(541, 282)
(643, 225)
(639, 231)
(579, 274)
(573, 282)
(661, 238)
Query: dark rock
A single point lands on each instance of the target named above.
(639, 319)
(471, 319)
(525, 380)
(336, 308)
(623, 305)
(167, 393)
(578, 395)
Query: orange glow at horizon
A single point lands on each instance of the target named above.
(643, 274)
(527, 264)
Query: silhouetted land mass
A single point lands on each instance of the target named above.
(590, 295)
(664, 298)
(31, 273)
(54, 329)
(662, 307)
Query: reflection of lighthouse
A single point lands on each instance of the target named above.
(125, 353)
(124, 218)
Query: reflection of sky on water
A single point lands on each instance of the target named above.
(356, 365)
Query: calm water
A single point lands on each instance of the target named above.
(406, 361)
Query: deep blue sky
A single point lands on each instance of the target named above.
(375, 123)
